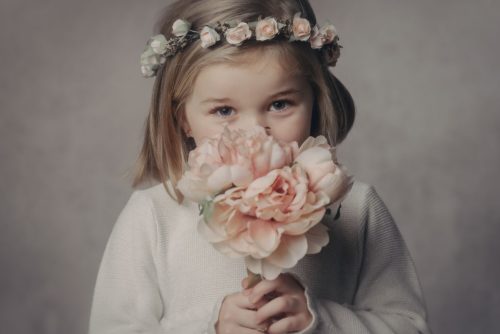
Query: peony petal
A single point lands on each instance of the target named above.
(305, 223)
(300, 197)
(193, 188)
(224, 248)
(269, 270)
(336, 185)
(317, 238)
(261, 162)
(317, 162)
(235, 224)
(314, 155)
(319, 171)
(254, 265)
(261, 183)
(314, 141)
(264, 235)
(240, 175)
(290, 251)
(220, 179)
(278, 157)
(242, 244)
(216, 214)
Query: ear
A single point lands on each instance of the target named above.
(185, 126)
(186, 129)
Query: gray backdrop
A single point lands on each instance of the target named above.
(425, 77)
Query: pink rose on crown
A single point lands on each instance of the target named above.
(238, 34)
(316, 39)
(266, 29)
(301, 28)
(328, 33)
(322, 36)
(208, 37)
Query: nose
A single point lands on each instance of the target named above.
(256, 118)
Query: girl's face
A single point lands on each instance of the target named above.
(254, 92)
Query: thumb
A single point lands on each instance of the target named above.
(244, 283)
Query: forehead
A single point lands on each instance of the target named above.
(255, 72)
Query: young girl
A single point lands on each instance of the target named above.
(242, 63)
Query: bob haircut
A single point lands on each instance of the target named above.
(166, 147)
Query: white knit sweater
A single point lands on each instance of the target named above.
(158, 275)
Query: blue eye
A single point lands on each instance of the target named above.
(224, 111)
(281, 104)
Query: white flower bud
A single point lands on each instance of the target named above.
(180, 27)
(159, 44)
(208, 37)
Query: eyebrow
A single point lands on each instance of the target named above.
(224, 99)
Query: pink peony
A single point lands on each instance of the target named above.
(233, 158)
(273, 218)
(273, 223)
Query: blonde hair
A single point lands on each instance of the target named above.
(165, 149)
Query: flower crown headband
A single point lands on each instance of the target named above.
(159, 48)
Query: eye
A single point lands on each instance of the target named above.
(223, 111)
(280, 105)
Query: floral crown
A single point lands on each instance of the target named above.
(159, 48)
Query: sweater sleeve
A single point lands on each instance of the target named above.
(127, 297)
(126, 294)
(388, 298)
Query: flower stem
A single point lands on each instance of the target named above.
(253, 279)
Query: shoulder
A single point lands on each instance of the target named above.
(363, 203)
(361, 196)
(155, 197)
(160, 203)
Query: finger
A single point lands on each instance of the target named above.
(239, 312)
(293, 323)
(248, 319)
(242, 330)
(259, 304)
(283, 284)
(244, 283)
(284, 304)
(241, 300)
(263, 288)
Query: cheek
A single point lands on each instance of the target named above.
(200, 126)
(202, 131)
(290, 134)
(294, 130)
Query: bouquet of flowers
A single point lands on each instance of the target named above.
(262, 199)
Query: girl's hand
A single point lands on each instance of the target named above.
(238, 315)
(287, 311)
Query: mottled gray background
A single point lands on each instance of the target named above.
(425, 76)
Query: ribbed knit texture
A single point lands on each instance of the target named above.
(158, 275)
